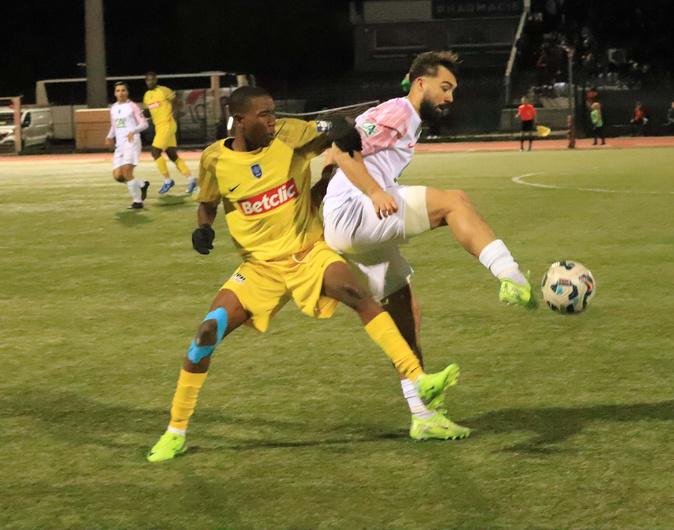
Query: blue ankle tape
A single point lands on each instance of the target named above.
(196, 353)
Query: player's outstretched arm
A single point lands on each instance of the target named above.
(355, 170)
(202, 237)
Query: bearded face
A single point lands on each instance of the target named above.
(438, 95)
(433, 113)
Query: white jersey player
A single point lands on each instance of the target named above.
(126, 124)
(369, 237)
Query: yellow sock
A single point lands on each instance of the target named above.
(185, 398)
(385, 333)
(182, 167)
(162, 166)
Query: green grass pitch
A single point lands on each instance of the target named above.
(305, 427)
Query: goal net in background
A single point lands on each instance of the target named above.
(10, 125)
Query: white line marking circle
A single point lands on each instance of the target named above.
(520, 180)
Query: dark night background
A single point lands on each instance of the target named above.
(304, 50)
(273, 40)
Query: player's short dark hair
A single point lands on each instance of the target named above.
(427, 63)
(150, 73)
(122, 83)
(239, 101)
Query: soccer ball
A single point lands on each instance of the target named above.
(568, 287)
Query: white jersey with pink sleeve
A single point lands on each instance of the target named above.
(389, 133)
(126, 118)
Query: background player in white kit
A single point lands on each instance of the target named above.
(370, 239)
(126, 124)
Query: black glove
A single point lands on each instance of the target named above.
(344, 134)
(202, 239)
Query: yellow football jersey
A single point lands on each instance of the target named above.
(159, 102)
(266, 193)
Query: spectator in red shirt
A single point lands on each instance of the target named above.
(639, 119)
(527, 115)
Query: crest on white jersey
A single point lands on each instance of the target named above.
(368, 128)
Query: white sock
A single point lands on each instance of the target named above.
(417, 407)
(497, 258)
(167, 180)
(140, 182)
(134, 190)
(191, 179)
(176, 431)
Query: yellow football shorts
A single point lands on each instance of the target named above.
(263, 288)
(165, 136)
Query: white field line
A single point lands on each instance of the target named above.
(520, 180)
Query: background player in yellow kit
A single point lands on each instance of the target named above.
(159, 100)
(263, 178)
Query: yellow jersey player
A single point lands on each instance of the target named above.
(159, 100)
(262, 176)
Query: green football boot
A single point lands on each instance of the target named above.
(516, 293)
(431, 387)
(437, 427)
(169, 446)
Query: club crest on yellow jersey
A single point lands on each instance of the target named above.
(256, 170)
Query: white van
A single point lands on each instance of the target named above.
(37, 127)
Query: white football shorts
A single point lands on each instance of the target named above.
(371, 244)
(127, 153)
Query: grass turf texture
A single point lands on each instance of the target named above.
(305, 427)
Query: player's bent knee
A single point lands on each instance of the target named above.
(457, 199)
(457, 196)
(207, 333)
(350, 295)
(172, 154)
(355, 293)
(155, 152)
(211, 331)
(339, 283)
